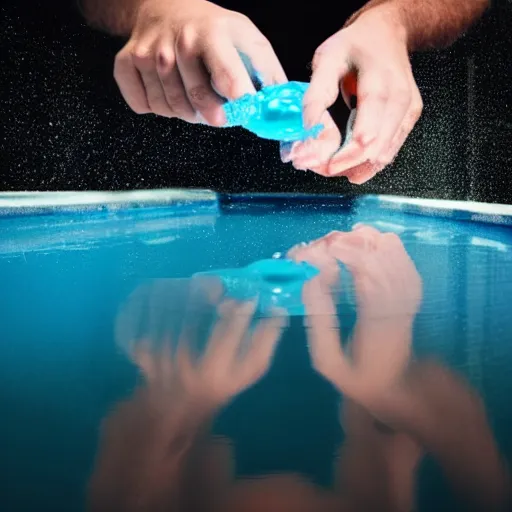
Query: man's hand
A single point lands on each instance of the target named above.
(388, 292)
(389, 104)
(185, 58)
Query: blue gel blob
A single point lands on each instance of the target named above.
(275, 112)
(276, 282)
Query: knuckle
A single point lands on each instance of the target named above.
(243, 18)
(375, 93)
(186, 42)
(215, 25)
(142, 56)
(318, 57)
(165, 61)
(261, 43)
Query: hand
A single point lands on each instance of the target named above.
(238, 352)
(185, 58)
(388, 293)
(387, 284)
(314, 154)
(388, 100)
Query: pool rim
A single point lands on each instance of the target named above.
(191, 201)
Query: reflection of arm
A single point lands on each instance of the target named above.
(430, 23)
(438, 410)
(143, 456)
(365, 477)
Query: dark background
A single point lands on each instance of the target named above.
(65, 126)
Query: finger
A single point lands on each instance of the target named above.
(196, 80)
(318, 255)
(371, 106)
(143, 58)
(166, 366)
(324, 341)
(204, 294)
(351, 155)
(262, 346)
(356, 175)
(373, 91)
(371, 236)
(207, 290)
(403, 133)
(172, 85)
(349, 251)
(230, 330)
(228, 73)
(328, 67)
(393, 118)
(316, 153)
(130, 82)
(259, 55)
(143, 357)
(364, 229)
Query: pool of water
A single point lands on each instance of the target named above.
(85, 276)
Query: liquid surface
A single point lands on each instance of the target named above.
(80, 292)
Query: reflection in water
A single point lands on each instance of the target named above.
(196, 351)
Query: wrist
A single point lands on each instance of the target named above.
(387, 11)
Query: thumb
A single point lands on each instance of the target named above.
(328, 68)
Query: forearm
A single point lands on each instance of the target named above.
(428, 23)
(143, 456)
(116, 17)
(439, 411)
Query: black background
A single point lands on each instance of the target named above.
(65, 126)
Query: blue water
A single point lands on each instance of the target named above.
(64, 278)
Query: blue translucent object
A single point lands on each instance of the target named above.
(276, 282)
(275, 112)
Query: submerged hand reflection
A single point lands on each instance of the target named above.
(151, 444)
(388, 293)
(395, 409)
(232, 361)
(237, 350)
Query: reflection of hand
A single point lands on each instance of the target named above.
(235, 357)
(388, 292)
(183, 59)
(386, 307)
(387, 284)
(376, 469)
(389, 102)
